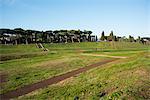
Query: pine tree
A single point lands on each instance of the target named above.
(102, 36)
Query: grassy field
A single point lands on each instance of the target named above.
(122, 79)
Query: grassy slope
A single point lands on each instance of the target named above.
(123, 79)
(60, 59)
(9, 49)
(29, 70)
(94, 45)
(8, 52)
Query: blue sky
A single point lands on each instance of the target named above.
(124, 17)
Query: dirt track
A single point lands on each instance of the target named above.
(29, 88)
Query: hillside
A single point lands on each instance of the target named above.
(127, 77)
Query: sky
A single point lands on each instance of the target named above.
(124, 17)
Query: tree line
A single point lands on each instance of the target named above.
(112, 37)
(21, 36)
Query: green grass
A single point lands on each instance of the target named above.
(30, 70)
(8, 52)
(9, 49)
(116, 79)
(122, 80)
(94, 45)
(122, 52)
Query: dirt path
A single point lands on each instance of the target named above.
(29, 88)
(102, 55)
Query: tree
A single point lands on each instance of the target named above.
(38, 36)
(131, 39)
(30, 35)
(25, 36)
(84, 36)
(77, 35)
(111, 34)
(50, 36)
(96, 39)
(70, 35)
(18, 32)
(56, 36)
(111, 37)
(19, 35)
(102, 36)
(63, 34)
(89, 37)
(3, 35)
(138, 39)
